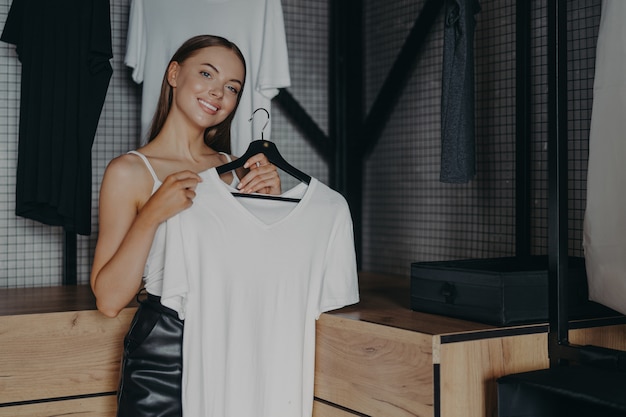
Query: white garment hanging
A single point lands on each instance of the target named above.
(250, 285)
(158, 27)
(604, 230)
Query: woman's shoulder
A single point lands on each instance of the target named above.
(127, 163)
(128, 168)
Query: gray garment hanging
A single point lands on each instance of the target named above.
(458, 154)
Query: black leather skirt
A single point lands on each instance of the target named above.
(151, 374)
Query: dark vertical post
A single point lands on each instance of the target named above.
(345, 107)
(69, 259)
(557, 178)
(522, 130)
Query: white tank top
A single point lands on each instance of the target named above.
(153, 271)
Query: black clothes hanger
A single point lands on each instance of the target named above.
(270, 150)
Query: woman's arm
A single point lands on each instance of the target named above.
(128, 219)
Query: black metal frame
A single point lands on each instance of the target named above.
(522, 129)
(346, 105)
(70, 255)
(400, 73)
(559, 349)
(351, 135)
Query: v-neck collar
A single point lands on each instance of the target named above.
(301, 191)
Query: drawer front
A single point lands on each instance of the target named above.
(65, 354)
(321, 409)
(105, 406)
(373, 369)
(469, 371)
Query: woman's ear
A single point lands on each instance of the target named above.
(172, 72)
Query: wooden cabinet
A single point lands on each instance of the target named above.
(377, 358)
(380, 359)
(372, 369)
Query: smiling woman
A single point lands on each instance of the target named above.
(190, 134)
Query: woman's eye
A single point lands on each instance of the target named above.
(205, 74)
(232, 89)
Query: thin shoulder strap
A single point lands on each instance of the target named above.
(235, 180)
(145, 160)
(228, 158)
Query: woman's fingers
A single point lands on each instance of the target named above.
(262, 178)
(174, 195)
(256, 161)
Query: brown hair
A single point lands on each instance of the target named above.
(218, 136)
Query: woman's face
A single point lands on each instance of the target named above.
(206, 85)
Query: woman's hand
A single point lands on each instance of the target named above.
(173, 196)
(261, 178)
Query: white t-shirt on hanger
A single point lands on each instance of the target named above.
(158, 27)
(250, 277)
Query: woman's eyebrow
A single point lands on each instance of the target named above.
(217, 71)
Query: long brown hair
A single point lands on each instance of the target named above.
(218, 136)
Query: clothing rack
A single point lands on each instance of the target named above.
(560, 350)
(581, 380)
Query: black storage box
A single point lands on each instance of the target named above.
(499, 291)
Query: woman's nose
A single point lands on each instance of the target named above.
(216, 92)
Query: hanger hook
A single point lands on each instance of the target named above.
(266, 122)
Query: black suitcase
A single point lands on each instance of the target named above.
(498, 291)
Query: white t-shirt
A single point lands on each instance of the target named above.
(250, 277)
(157, 28)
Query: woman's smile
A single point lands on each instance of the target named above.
(214, 109)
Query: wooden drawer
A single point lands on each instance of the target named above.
(373, 369)
(321, 409)
(84, 407)
(66, 354)
(469, 370)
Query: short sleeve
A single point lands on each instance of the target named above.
(100, 47)
(274, 66)
(340, 283)
(13, 26)
(136, 41)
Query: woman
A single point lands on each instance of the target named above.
(190, 133)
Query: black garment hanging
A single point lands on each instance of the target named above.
(270, 150)
(59, 107)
